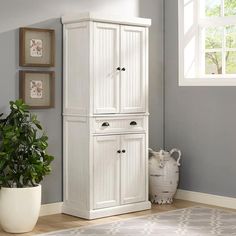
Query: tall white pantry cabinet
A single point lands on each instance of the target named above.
(105, 115)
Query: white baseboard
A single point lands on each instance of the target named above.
(205, 198)
(51, 209)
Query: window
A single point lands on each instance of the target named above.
(207, 42)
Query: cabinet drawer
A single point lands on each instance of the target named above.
(119, 124)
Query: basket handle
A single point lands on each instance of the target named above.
(179, 155)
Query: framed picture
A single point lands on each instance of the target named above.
(37, 88)
(37, 47)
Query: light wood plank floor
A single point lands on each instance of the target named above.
(61, 221)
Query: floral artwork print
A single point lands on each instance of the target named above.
(36, 89)
(36, 48)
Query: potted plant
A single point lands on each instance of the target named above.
(23, 164)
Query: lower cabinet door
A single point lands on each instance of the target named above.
(106, 171)
(133, 168)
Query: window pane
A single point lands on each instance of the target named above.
(213, 37)
(231, 36)
(213, 7)
(230, 7)
(230, 62)
(213, 63)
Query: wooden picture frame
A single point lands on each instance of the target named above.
(37, 47)
(37, 88)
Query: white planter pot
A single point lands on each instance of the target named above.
(19, 208)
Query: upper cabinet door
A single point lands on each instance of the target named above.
(133, 72)
(106, 62)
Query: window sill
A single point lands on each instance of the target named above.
(207, 82)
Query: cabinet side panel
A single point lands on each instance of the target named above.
(76, 162)
(146, 147)
(146, 69)
(76, 68)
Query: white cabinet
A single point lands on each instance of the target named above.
(105, 115)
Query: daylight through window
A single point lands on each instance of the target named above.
(207, 42)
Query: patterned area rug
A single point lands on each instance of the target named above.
(194, 221)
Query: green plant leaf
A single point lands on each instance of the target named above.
(23, 160)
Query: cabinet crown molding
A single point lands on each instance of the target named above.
(101, 17)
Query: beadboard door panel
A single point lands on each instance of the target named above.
(133, 167)
(133, 76)
(106, 171)
(105, 73)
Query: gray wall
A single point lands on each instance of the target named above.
(14, 14)
(200, 121)
(50, 118)
(154, 9)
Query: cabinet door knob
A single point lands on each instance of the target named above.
(118, 151)
(105, 124)
(123, 69)
(118, 68)
(133, 123)
(123, 151)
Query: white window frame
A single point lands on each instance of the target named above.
(200, 79)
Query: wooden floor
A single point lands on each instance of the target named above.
(61, 221)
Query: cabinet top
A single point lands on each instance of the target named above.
(94, 16)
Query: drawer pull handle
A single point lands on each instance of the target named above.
(105, 124)
(123, 151)
(133, 123)
(119, 151)
(123, 69)
(118, 68)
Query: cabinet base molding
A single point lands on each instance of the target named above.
(94, 214)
